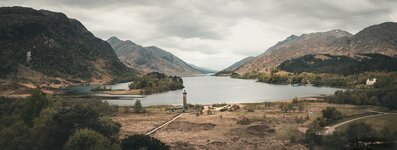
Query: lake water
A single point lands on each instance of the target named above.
(210, 89)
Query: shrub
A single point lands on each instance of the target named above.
(87, 139)
(138, 107)
(251, 109)
(140, 141)
(330, 113)
(243, 121)
(234, 107)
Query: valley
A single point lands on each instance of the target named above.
(63, 87)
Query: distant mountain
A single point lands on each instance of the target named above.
(62, 50)
(235, 66)
(149, 59)
(380, 39)
(202, 70)
(239, 63)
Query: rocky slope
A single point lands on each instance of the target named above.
(380, 38)
(239, 63)
(150, 59)
(227, 71)
(62, 50)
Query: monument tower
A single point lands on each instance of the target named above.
(184, 101)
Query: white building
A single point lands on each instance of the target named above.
(28, 57)
(371, 81)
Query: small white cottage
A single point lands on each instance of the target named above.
(371, 81)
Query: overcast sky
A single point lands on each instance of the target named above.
(216, 33)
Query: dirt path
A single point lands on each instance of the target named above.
(159, 127)
(331, 129)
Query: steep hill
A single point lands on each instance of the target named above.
(150, 59)
(235, 66)
(62, 50)
(374, 39)
(239, 63)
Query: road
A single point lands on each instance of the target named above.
(331, 129)
(164, 124)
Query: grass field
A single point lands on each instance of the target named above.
(378, 122)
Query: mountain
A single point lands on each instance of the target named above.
(62, 50)
(202, 70)
(374, 39)
(235, 66)
(149, 59)
(239, 63)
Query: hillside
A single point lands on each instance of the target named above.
(340, 64)
(374, 39)
(150, 59)
(202, 70)
(62, 50)
(235, 66)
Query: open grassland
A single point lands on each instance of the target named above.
(378, 122)
(252, 126)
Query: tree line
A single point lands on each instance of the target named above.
(42, 122)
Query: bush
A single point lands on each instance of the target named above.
(218, 104)
(251, 109)
(44, 122)
(33, 106)
(138, 107)
(87, 139)
(330, 113)
(140, 141)
(243, 121)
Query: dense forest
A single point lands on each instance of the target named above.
(383, 93)
(156, 82)
(321, 79)
(357, 135)
(340, 64)
(43, 122)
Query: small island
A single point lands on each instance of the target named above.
(156, 82)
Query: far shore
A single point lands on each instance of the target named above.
(124, 92)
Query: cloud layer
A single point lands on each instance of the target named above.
(216, 33)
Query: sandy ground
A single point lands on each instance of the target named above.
(268, 128)
(141, 123)
(220, 131)
(217, 131)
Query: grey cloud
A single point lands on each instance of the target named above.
(209, 26)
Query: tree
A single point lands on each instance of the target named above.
(33, 106)
(373, 100)
(357, 134)
(334, 142)
(68, 119)
(283, 107)
(330, 113)
(15, 137)
(87, 139)
(138, 107)
(295, 100)
(390, 100)
(301, 107)
(313, 134)
(140, 141)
